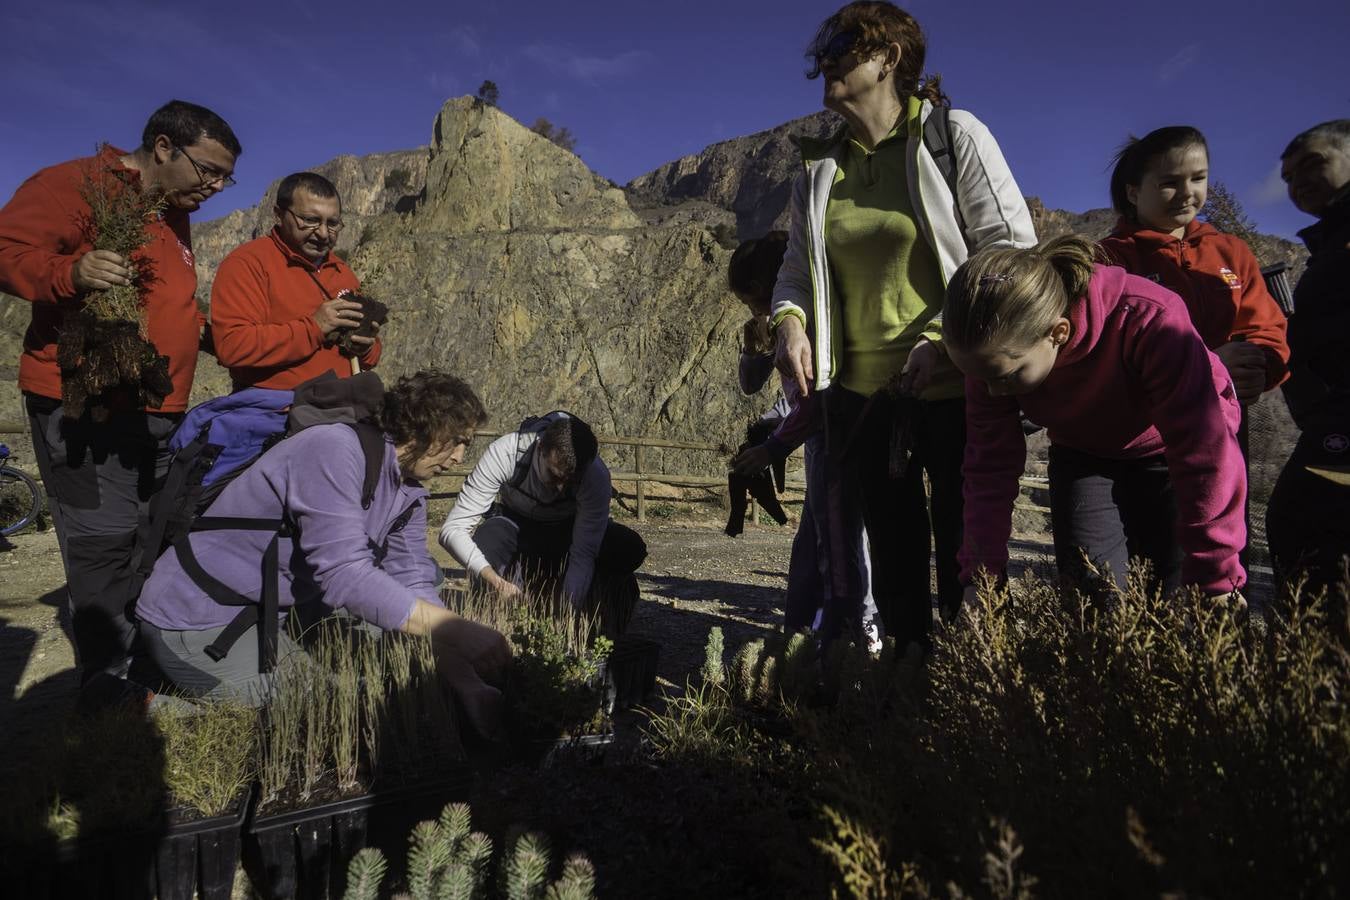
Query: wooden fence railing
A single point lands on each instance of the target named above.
(640, 477)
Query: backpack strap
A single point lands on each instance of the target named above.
(265, 611)
(372, 449)
(937, 138)
(164, 509)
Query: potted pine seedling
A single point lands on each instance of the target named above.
(103, 349)
(154, 804)
(557, 695)
(446, 858)
(355, 739)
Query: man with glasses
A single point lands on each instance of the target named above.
(280, 302)
(100, 475)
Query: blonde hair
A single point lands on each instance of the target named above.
(1009, 297)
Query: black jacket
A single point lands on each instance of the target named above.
(1318, 389)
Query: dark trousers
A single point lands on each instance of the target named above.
(541, 550)
(1104, 512)
(99, 479)
(902, 525)
(1308, 517)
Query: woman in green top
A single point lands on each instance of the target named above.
(882, 214)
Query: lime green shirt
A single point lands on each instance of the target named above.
(886, 279)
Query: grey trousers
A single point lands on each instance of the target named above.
(182, 657)
(100, 477)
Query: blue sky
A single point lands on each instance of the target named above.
(1060, 84)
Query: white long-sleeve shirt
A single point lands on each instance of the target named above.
(531, 499)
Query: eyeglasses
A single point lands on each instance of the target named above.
(837, 48)
(205, 174)
(312, 223)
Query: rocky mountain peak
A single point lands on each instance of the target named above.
(489, 173)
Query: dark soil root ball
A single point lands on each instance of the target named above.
(155, 381)
(373, 313)
(99, 358)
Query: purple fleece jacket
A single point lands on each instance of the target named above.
(1133, 380)
(315, 476)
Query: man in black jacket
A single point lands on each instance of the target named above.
(1308, 519)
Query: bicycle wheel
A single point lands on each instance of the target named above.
(20, 501)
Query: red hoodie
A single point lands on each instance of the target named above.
(41, 239)
(1133, 380)
(1219, 278)
(262, 315)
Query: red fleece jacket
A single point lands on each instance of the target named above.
(1133, 380)
(41, 239)
(262, 315)
(1219, 278)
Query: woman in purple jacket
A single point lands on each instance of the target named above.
(371, 562)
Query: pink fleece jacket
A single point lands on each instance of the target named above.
(1133, 380)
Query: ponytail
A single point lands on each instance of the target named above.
(1072, 256)
(1009, 297)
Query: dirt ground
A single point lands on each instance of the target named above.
(695, 577)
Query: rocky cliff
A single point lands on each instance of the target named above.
(749, 177)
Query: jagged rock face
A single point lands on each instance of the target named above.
(751, 176)
(532, 278)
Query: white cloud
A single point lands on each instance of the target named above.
(591, 70)
(1272, 189)
(1180, 61)
(465, 41)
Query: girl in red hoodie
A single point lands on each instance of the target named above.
(1142, 419)
(1158, 186)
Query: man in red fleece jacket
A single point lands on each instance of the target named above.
(100, 476)
(279, 301)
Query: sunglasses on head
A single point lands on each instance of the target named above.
(836, 48)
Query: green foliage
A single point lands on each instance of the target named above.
(351, 710)
(456, 823)
(699, 726)
(364, 874)
(1224, 211)
(118, 215)
(554, 686)
(102, 347)
(560, 135)
(488, 93)
(121, 769)
(446, 861)
(209, 755)
(745, 670)
(714, 666)
(525, 872)
(577, 881)
(1047, 744)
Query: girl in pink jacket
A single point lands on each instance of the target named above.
(1142, 419)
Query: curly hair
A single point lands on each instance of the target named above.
(877, 24)
(429, 409)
